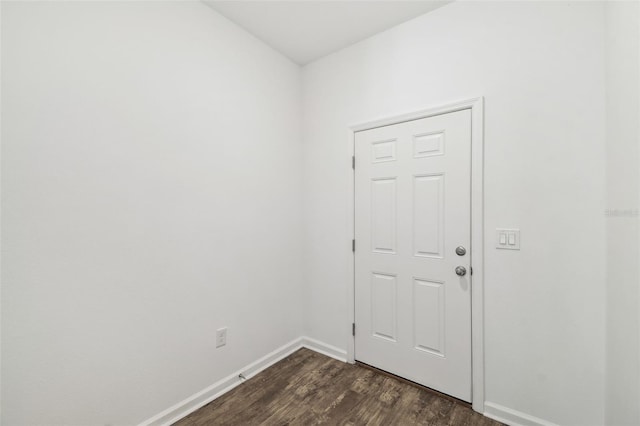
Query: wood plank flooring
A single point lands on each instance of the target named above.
(308, 388)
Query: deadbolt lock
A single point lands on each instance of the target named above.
(461, 251)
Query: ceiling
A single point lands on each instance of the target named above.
(305, 30)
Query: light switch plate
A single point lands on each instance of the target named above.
(508, 239)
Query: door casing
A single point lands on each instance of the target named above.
(476, 105)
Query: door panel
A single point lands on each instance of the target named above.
(428, 316)
(383, 215)
(383, 306)
(412, 207)
(428, 216)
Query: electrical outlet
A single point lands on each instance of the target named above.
(221, 337)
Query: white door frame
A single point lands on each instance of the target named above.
(477, 232)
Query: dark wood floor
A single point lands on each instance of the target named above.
(308, 388)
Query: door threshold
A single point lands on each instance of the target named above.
(414, 384)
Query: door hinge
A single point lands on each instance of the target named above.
(353, 328)
(353, 162)
(353, 246)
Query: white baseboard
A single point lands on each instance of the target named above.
(512, 417)
(325, 349)
(205, 396)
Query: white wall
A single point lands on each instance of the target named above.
(623, 178)
(151, 193)
(540, 66)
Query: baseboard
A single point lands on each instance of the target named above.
(512, 417)
(325, 349)
(205, 396)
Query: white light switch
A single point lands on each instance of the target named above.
(508, 239)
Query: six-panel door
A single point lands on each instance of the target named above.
(412, 209)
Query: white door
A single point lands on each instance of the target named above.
(412, 211)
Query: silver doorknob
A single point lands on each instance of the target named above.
(461, 271)
(461, 251)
